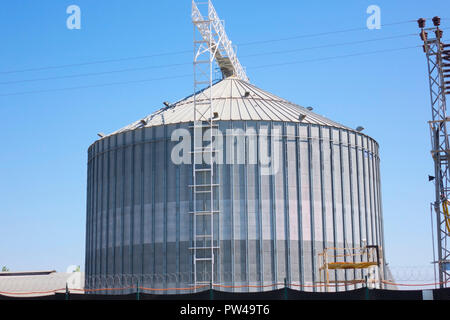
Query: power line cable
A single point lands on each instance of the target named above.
(190, 75)
(320, 34)
(189, 63)
(95, 73)
(331, 58)
(330, 45)
(96, 86)
(95, 62)
(188, 51)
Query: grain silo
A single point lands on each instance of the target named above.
(287, 184)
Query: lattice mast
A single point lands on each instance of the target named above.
(438, 58)
(220, 46)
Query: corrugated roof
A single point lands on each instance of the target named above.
(32, 284)
(26, 273)
(235, 99)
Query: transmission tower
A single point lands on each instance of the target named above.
(438, 58)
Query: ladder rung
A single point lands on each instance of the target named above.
(204, 101)
(203, 259)
(204, 185)
(201, 61)
(202, 213)
(200, 151)
(204, 126)
(204, 149)
(203, 236)
(201, 82)
(202, 248)
(203, 169)
(201, 22)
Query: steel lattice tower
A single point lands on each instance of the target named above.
(438, 58)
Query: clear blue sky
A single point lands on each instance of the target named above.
(46, 134)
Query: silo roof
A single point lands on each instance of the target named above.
(235, 99)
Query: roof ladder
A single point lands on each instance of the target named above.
(205, 208)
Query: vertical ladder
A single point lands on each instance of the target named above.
(205, 245)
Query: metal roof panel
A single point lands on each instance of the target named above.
(235, 99)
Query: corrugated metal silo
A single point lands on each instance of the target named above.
(325, 193)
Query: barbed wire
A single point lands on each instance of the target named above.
(164, 280)
(224, 281)
(183, 282)
(398, 274)
(220, 287)
(412, 273)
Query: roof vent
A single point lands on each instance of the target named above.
(310, 108)
(167, 104)
(101, 134)
(359, 129)
(301, 117)
(144, 122)
(247, 94)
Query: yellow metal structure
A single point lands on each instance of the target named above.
(447, 216)
(368, 256)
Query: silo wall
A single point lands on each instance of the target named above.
(271, 227)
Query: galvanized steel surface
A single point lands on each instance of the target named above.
(271, 228)
(234, 99)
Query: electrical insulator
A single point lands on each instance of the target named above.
(421, 23)
(424, 47)
(437, 21)
(446, 57)
(438, 33)
(423, 35)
